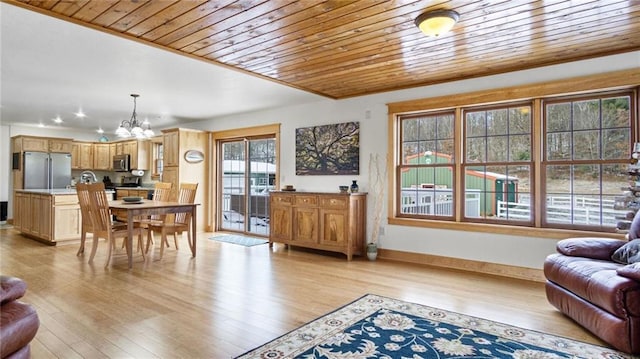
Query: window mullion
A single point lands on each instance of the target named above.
(537, 158)
(459, 158)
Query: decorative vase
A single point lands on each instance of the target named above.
(354, 186)
(372, 251)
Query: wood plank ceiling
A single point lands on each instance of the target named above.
(345, 48)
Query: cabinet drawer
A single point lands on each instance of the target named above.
(334, 202)
(282, 200)
(65, 199)
(306, 201)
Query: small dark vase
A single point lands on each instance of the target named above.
(354, 186)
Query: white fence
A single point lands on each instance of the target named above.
(437, 202)
(559, 209)
(565, 209)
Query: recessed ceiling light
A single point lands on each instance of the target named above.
(100, 130)
(41, 124)
(80, 114)
(57, 120)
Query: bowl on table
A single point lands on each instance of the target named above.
(132, 199)
(343, 189)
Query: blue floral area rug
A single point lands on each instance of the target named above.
(380, 327)
(239, 240)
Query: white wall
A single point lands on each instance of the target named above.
(5, 162)
(371, 112)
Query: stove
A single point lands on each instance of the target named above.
(131, 181)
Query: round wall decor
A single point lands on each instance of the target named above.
(194, 156)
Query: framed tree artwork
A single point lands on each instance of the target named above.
(328, 149)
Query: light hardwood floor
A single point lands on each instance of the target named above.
(231, 299)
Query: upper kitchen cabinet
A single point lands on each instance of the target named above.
(41, 144)
(102, 156)
(82, 155)
(59, 145)
(171, 143)
(138, 151)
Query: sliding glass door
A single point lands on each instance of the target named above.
(248, 173)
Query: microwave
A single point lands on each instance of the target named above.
(121, 163)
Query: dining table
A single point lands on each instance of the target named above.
(150, 208)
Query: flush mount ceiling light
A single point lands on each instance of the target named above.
(133, 128)
(438, 22)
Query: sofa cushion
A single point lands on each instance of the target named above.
(11, 288)
(630, 271)
(595, 281)
(629, 253)
(634, 229)
(589, 247)
(18, 326)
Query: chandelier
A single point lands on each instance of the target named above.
(133, 128)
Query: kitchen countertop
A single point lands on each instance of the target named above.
(55, 191)
(141, 188)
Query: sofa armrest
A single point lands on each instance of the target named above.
(630, 271)
(589, 247)
(11, 288)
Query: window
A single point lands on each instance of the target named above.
(158, 155)
(586, 151)
(427, 172)
(498, 163)
(556, 162)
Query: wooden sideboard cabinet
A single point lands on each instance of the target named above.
(333, 222)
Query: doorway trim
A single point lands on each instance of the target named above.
(217, 168)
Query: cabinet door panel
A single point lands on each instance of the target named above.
(101, 157)
(68, 222)
(60, 146)
(334, 228)
(171, 175)
(171, 144)
(305, 225)
(280, 222)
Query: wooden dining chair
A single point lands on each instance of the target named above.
(175, 224)
(84, 200)
(101, 221)
(161, 192)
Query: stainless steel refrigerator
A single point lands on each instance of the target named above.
(47, 170)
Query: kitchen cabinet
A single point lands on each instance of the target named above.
(138, 151)
(328, 221)
(47, 217)
(85, 151)
(75, 156)
(32, 215)
(82, 155)
(176, 142)
(41, 144)
(28, 143)
(171, 144)
(68, 219)
(57, 145)
(102, 156)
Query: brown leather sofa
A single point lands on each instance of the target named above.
(18, 321)
(603, 296)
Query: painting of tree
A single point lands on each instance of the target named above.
(328, 149)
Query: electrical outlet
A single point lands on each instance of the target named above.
(381, 230)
